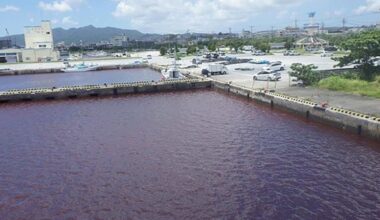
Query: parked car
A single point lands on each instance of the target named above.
(331, 49)
(207, 56)
(291, 53)
(294, 81)
(267, 76)
(259, 62)
(376, 61)
(326, 54)
(274, 67)
(230, 59)
(258, 53)
(196, 61)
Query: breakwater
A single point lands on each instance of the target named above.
(102, 90)
(59, 70)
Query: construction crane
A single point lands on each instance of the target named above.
(6, 30)
(8, 37)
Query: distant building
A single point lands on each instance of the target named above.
(248, 48)
(39, 46)
(292, 32)
(120, 41)
(246, 34)
(4, 44)
(37, 37)
(182, 51)
(312, 28)
(277, 46)
(311, 41)
(224, 49)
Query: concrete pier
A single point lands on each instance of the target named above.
(59, 70)
(102, 90)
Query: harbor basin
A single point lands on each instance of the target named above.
(183, 155)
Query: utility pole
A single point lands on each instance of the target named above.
(272, 32)
(344, 21)
(323, 27)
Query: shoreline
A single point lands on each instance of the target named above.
(353, 122)
(335, 116)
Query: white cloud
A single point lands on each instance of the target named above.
(68, 21)
(371, 6)
(55, 6)
(59, 6)
(9, 8)
(196, 15)
(334, 14)
(55, 21)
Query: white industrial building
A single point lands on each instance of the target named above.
(39, 45)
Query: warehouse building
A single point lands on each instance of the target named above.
(39, 46)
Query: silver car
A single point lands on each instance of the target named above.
(267, 76)
(274, 67)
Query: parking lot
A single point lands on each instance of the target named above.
(245, 77)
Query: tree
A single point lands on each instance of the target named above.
(212, 46)
(363, 48)
(263, 46)
(289, 44)
(305, 73)
(191, 49)
(163, 51)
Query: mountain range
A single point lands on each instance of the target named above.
(87, 34)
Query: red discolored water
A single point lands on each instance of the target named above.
(187, 155)
(77, 79)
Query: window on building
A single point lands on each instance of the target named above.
(47, 32)
(42, 46)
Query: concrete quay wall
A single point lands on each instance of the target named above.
(102, 90)
(59, 70)
(353, 122)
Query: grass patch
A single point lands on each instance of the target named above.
(354, 86)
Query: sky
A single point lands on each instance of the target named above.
(181, 16)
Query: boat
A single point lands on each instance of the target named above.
(6, 71)
(79, 68)
(172, 71)
(97, 54)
